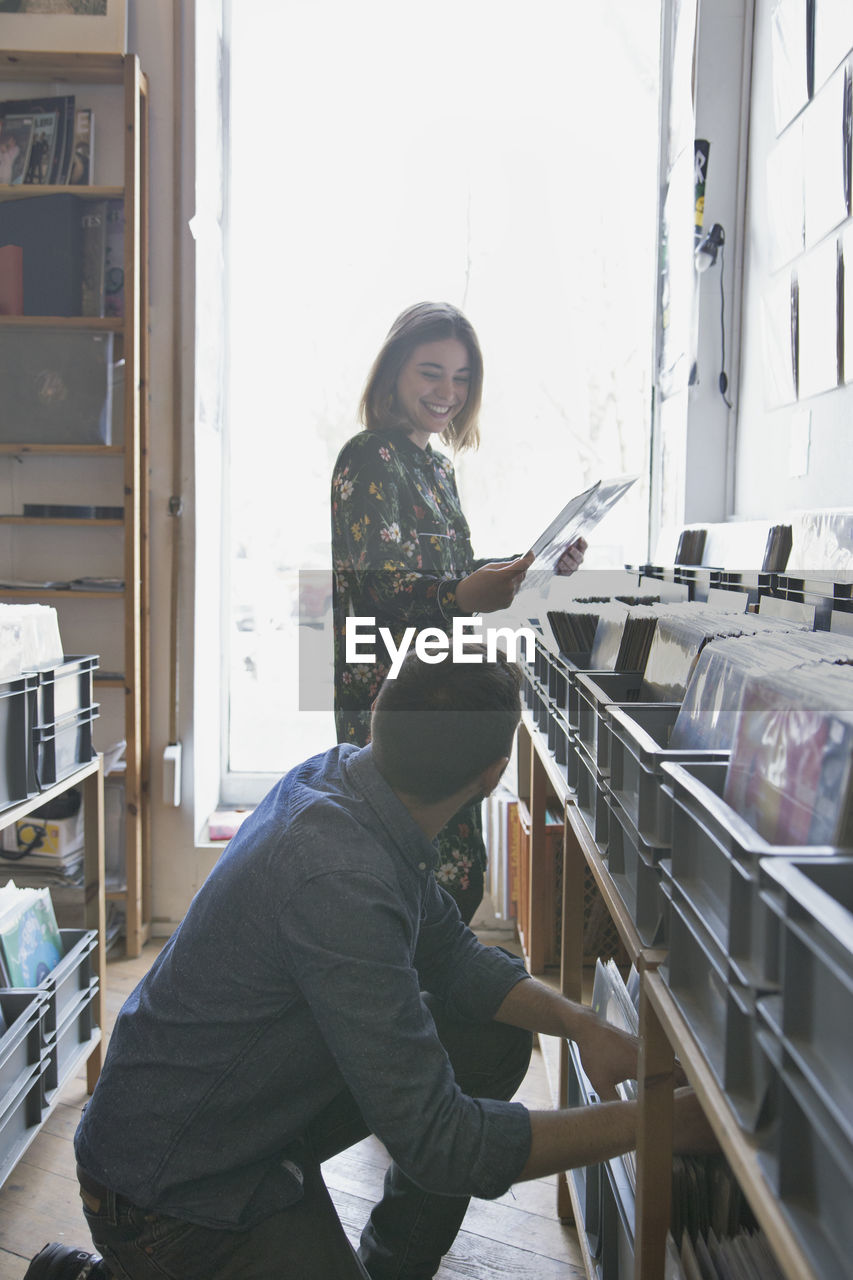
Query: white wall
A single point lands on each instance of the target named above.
(723, 51)
(764, 483)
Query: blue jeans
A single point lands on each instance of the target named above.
(408, 1233)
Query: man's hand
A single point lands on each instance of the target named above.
(494, 586)
(572, 557)
(608, 1054)
(692, 1134)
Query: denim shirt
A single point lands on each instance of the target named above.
(296, 973)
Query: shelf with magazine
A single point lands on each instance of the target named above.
(51, 1029)
(73, 439)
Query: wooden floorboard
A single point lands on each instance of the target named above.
(516, 1237)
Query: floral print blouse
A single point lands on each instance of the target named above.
(400, 545)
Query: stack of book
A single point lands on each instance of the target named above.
(62, 255)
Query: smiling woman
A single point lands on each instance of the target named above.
(401, 547)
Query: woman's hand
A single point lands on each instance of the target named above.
(572, 557)
(494, 586)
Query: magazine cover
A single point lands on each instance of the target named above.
(16, 139)
(43, 148)
(63, 106)
(80, 171)
(114, 260)
(30, 939)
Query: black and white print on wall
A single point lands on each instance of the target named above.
(69, 26)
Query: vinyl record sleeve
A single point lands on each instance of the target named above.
(577, 518)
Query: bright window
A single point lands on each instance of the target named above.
(500, 157)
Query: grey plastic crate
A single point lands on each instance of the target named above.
(17, 775)
(63, 746)
(715, 857)
(74, 973)
(540, 708)
(634, 867)
(77, 1030)
(812, 1016)
(577, 670)
(571, 769)
(558, 681)
(807, 1159)
(558, 738)
(591, 797)
(638, 746)
(723, 1015)
(21, 1042)
(20, 1117)
(65, 689)
(596, 691)
(541, 658)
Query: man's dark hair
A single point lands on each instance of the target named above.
(437, 726)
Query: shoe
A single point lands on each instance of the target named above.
(59, 1262)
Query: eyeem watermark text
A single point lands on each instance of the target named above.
(434, 645)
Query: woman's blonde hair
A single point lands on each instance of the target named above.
(424, 322)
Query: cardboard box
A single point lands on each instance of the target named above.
(56, 837)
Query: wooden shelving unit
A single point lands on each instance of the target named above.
(23, 74)
(664, 1035)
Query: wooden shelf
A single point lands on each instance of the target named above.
(14, 813)
(20, 448)
(106, 324)
(31, 191)
(56, 593)
(66, 68)
(88, 521)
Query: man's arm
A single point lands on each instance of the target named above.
(567, 1139)
(608, 1054)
